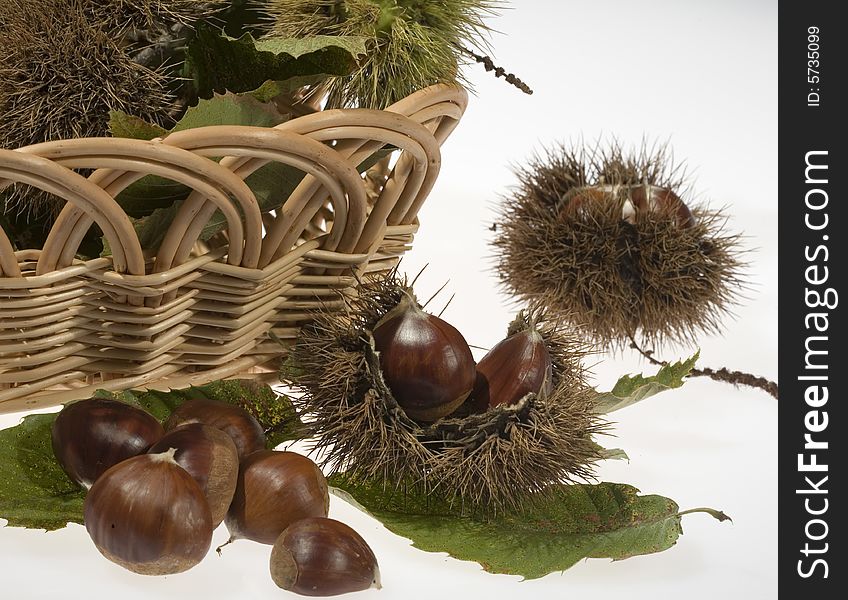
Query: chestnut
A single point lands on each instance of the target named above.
(210, 456)
(662, 200)
(515, 367)
(90, 436)
(148, 515)
(323, 557)
(426, 363)
(274, 490)
(240, 425)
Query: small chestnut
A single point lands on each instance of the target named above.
(240, 425)
(148, 515)
(210, 456)
(90, 436)
(274, 490)
(662, 200)
(323, 557)
(515, 367)
(425, 361)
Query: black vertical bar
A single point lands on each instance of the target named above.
(813, 228)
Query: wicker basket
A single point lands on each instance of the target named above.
(196, 312)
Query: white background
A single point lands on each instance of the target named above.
(700, 74)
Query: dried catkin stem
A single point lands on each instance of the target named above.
(723, 374)
(489, 65)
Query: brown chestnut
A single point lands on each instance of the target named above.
(240, 425)
(662, 200)
(425, 361)
(515, 367)
(323, 557)
(210, 456)
(148, 515)
(274, 490)
(90, 436)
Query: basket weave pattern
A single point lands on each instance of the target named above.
(199, 311)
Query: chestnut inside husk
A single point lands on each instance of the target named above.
(487, 461)
(614, 243)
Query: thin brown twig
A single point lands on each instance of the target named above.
(490, 65)
(723, 374)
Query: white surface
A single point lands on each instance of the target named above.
(702, 74)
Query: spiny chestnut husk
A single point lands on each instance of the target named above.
(516, 366)
(274, 490)
(425, 361)
(485, 462)
(148, 515)
(210, 456)
(323, 557)
(614, 243)
(90, 436)
(241, 426)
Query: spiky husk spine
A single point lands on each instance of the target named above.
(66, 63)
(484, 463)
(616, 278)
(415, 43)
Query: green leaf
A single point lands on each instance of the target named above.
(631, 389)
(230, 109)
(34, 490)
(572, 522)
(613, 454)
(218, 63)
(127, 126)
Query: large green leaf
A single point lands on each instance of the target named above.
(34, 490)
(605, 520)
(631, 389)
(218, 63)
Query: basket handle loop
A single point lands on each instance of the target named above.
(124, 161)
(47, 175)
(250, 148)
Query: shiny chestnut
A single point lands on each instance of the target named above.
(241, 426)
(210, 457)
(323, 557)
(148, 515)
(662, 200)
(274, 490)
(425, 361)
(515, 367)
(92, 435)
